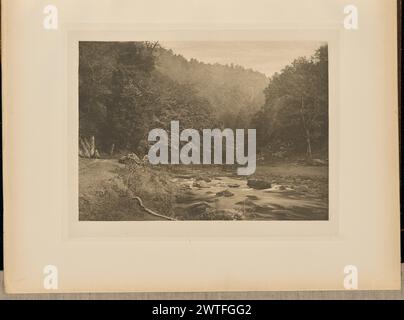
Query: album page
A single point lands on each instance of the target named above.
(188, 146)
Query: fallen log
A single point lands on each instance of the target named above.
(151, 211)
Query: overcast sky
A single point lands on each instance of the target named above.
(265, 57)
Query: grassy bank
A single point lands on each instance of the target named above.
(107, 189)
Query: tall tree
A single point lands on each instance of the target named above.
(296, 107)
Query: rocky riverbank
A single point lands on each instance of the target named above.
(287, 192)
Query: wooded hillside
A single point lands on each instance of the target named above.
(127, 89)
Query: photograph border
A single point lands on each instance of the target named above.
(206, 230)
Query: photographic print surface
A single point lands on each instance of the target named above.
(173, 131)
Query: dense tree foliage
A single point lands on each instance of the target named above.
(123, 96)
(294, 118)
(232, 90)
(127, 89)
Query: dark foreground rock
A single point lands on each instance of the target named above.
(252, 197)
(225, 193)
(233, 185)
(199, 208)
(259, 184)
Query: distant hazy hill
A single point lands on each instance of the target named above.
(234, 92)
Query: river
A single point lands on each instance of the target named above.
(230, 198)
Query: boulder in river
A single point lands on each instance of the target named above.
(252, 197)
(259, 184)
(225, 193)
(233, 185)
(200, 185)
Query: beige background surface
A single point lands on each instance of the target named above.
(347, 295)
(37, 181)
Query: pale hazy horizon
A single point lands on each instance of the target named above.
(265, 57)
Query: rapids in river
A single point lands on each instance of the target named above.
(231, 198)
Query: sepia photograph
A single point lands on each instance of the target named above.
(203, 131)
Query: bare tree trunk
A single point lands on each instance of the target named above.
(84, 150)
(92, 147)
(111, 153)
(87, 148)
(307, 131)
(308, 140)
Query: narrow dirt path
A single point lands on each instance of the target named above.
(93, 172)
